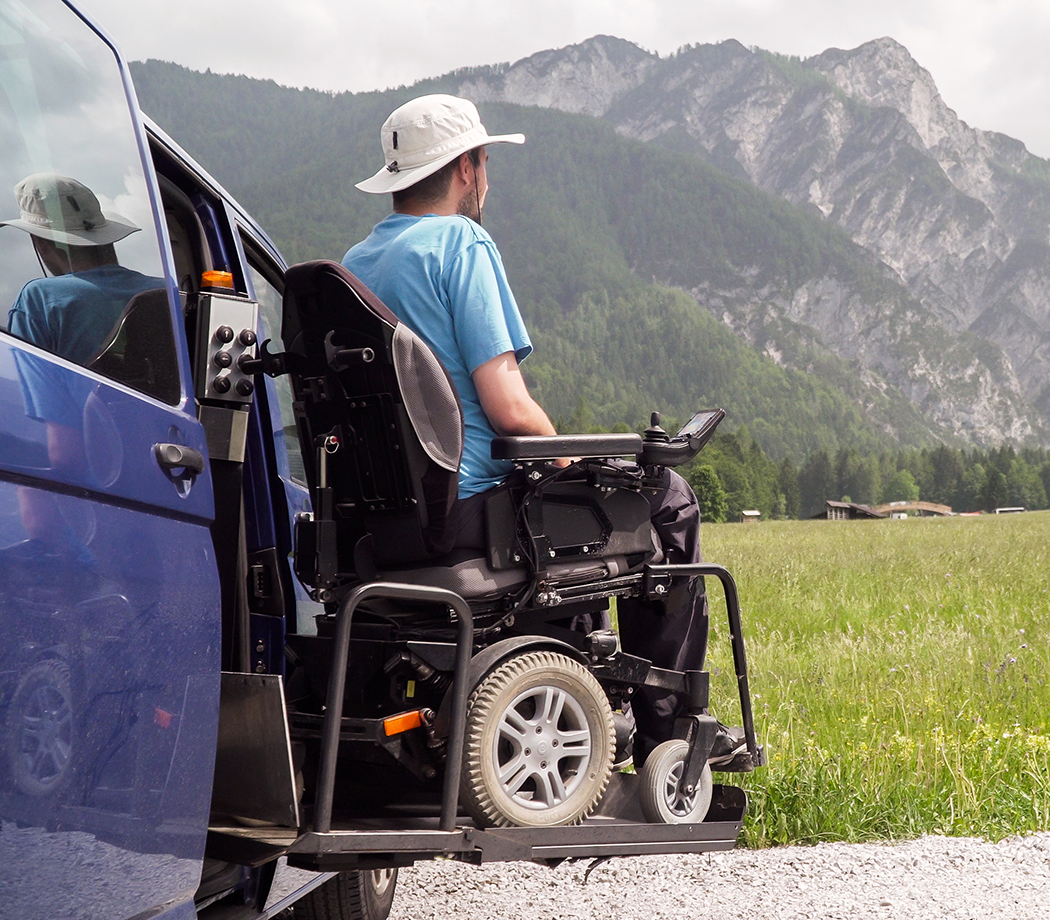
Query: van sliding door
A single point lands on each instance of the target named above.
(109, 622)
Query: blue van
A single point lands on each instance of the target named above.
(151, 481)
(115, 561)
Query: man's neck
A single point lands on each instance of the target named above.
(440, 208)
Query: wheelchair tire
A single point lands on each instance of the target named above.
(42, 733)
(661, 800)
(352, 895)
(539, 744)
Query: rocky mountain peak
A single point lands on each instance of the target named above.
(882, 73)
(584, 78)
(863, 136)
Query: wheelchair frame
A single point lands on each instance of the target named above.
(342, 571)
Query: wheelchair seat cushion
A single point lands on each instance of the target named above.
(472, 578)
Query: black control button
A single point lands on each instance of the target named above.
(247, 338)
(245, 387)
(224, 334)
(223, 359)
(221, 384)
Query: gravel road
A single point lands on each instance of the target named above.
(925, 879)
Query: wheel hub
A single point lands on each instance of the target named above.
(542, 747)
(678, 800)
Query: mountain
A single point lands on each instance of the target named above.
(960, 216)
(662, 256)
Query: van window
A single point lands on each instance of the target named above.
(270, 306)
(81, 273)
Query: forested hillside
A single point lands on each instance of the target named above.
(607, 243)
(586, 221)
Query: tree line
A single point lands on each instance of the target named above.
(733, 474)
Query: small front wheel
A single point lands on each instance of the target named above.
(662, 801)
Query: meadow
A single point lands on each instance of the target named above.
(899, 674)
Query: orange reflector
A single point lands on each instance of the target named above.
(217, 280)
(403, 723)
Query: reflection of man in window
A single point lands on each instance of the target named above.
(72, 313)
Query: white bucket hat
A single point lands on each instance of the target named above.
(66, 211)
(423, 135)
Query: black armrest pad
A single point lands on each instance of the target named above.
(585, 446)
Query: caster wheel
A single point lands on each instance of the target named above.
(539, 744)
(661, 800)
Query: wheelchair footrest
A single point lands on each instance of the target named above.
(742, 762)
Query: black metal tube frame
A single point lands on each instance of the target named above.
(736, 636)
(337, 683)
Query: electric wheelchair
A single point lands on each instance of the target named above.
(480, 678)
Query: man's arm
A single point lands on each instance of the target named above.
(506, 401)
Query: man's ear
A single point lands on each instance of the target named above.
(465, 169)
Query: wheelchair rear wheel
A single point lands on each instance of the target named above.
(539, 743)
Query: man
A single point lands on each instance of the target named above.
(439, 271)
(71, 313)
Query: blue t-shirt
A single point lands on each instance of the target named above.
(71, 316)
(444, 278)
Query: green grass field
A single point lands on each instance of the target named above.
(898, 671)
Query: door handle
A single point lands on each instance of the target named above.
(178, 456)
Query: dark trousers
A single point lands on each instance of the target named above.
(671, 632)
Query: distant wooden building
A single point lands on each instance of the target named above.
(916, 509)
(750, 517)
(847, 511)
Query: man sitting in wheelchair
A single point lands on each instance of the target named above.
(534, 530)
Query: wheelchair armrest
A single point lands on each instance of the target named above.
(584, 446)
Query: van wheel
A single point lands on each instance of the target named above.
(41, 735)
(661, 800)
(353, 895)
(539, 744)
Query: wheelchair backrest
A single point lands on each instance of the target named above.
(374, 393)
(140, 348)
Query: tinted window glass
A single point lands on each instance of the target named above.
(80, 266)
(270, 310)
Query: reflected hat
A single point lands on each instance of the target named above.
(423, 135)
(66, 211)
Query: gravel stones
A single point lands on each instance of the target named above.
(925, 879)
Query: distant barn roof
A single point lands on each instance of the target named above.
(847, 511)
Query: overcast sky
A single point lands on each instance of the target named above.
(989, 58)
